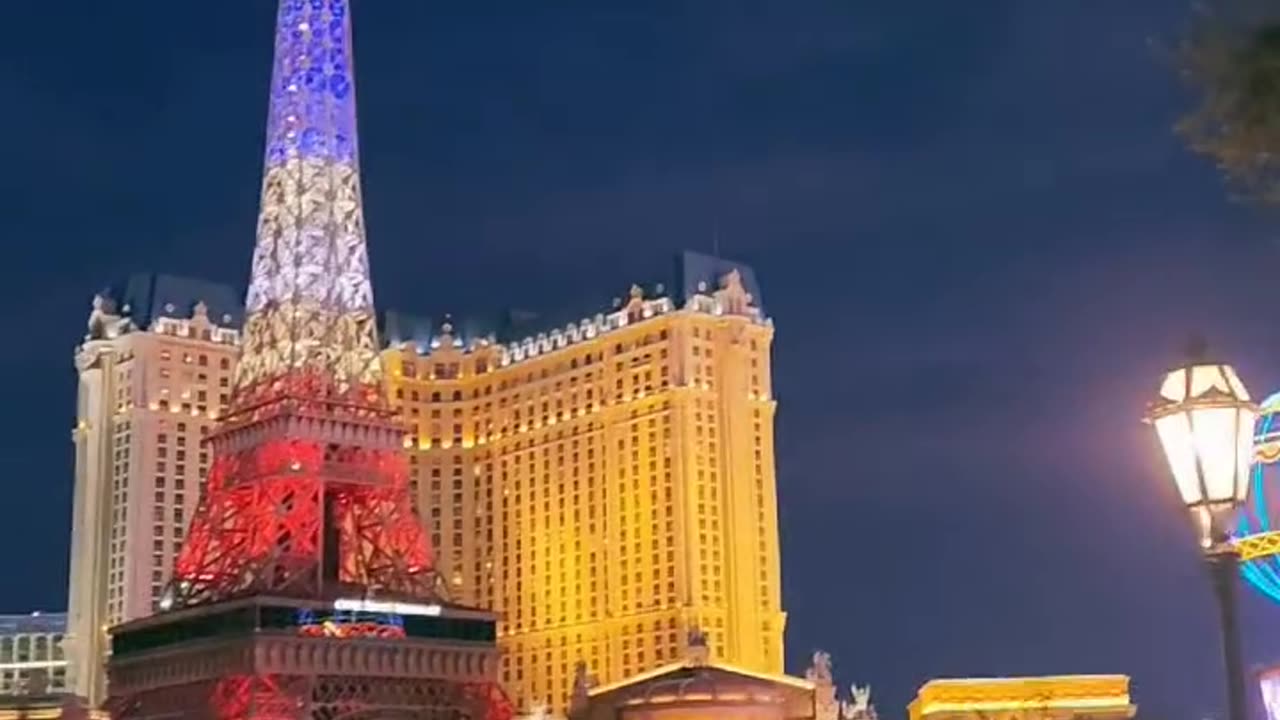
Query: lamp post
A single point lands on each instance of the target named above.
(1204, 420)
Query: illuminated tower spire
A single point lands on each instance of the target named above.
(310, 320)
(308, 490)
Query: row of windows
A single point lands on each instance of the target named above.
(544, 670)
(171, 504)
(565, 502)
(199, 359)
(30, 648)
(198, 327)
(703, 374)
(20, 681)
(452, 370)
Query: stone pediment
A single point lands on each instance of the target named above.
(710, 684)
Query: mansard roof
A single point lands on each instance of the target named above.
(143, 297)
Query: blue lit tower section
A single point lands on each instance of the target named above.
(1258, 534)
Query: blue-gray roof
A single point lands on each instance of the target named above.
(33, 624)
(689, 270)
(145, 296)
(395, 327)
(693, 268)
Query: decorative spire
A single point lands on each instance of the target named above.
(858, 706)
(826, 705)
(310, 325)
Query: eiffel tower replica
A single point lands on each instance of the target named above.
(305, 587)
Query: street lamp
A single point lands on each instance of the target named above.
(1204, 420)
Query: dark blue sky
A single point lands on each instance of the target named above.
(975, 232)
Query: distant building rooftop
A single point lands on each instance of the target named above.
(33, 623)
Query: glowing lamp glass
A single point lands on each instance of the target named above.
(1204, 419)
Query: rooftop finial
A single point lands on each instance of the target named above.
(699, 652)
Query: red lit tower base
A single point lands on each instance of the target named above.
(305, 587)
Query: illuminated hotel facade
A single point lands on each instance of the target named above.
(606, 486)
(154, 370)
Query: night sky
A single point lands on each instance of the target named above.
(976, 234)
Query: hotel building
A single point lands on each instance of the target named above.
(154, 370)
(606, 485)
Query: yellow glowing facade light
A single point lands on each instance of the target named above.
(585, 446)
(1090, 695)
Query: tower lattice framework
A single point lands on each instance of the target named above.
(309, 482)
(307, 499)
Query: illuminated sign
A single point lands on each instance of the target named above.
(343, 624)
(391, 608)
